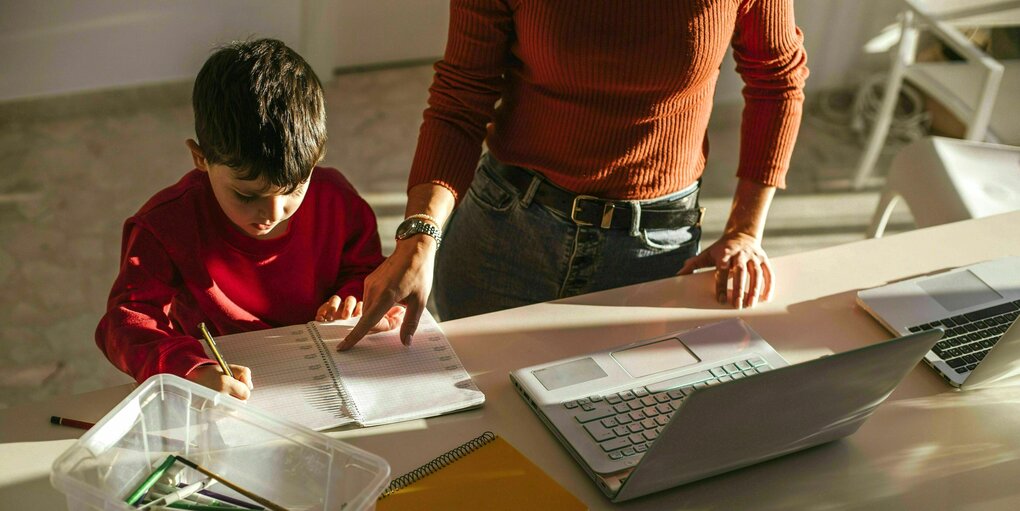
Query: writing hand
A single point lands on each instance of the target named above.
(212, 376)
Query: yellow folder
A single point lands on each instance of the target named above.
(486, 473)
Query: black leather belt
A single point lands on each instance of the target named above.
(587, 210)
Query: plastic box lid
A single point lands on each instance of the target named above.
(279, 460)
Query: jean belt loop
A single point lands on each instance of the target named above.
(635, 218)
(532, 189)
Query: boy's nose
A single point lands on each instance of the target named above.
(273, 208)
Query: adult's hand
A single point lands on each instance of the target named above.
(743, 273)
(406, 276)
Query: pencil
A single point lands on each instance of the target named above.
(212, 347)
(265, 502)
(168, 443)
(229, 500)
(62, 421)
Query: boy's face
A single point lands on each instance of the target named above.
(256, 210)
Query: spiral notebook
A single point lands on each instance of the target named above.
(299, 375)
(484, 473)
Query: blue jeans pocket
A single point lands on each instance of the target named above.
(489, 191)
(669, 239)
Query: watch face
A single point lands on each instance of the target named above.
(413, 226)
(409, 227)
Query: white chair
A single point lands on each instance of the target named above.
(969, 88)
(946, 180)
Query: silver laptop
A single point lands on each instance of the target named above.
(663, 412)
(976, 305)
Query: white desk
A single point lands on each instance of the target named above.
(928, 447)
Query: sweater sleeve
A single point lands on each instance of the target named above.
(769, 52)
(362, 251)
(136, 333)
(462, 99)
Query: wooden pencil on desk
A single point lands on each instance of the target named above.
(64, 421)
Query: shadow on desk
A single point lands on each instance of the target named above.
(689, 292)
(769, 486)
(842, 476)
(38, 492)
(30, 422)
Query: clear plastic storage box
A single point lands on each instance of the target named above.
(288, 464)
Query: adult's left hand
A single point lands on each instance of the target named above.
(743, 273)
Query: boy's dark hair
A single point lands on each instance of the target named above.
(259, 109)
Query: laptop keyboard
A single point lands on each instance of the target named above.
(626, 423)
(969, 336)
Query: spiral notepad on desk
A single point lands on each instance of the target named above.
(299, 375)
(486, 472)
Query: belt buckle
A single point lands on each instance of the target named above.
(573, 209)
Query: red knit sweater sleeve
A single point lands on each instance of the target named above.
(136, 333)
(463, 94)
(769, 51)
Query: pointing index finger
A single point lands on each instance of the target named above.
(372, 313)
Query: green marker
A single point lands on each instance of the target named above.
(149, 481)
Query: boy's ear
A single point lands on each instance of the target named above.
(197, 156)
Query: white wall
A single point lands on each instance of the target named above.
(377, 31)
(834, 33)
(61, 46)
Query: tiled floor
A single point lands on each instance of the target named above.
(74, 168)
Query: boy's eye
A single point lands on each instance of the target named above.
(244, 198)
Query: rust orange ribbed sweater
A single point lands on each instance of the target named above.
(610, 97)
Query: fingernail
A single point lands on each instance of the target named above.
(406, 339)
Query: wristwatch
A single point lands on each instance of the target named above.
(413, 226)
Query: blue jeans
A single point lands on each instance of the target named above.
(501, 250)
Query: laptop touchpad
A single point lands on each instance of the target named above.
(655, 357)
(958, 290)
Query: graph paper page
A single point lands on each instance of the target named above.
(292, 377)
(390, 382)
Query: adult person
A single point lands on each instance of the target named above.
(595, 115)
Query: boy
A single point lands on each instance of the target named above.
(255, 237)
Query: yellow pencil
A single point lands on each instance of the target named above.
(212, 347)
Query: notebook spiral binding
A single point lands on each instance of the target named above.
(437, 463)
(328, 364)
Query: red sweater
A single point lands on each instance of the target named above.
(610, 98)
(184, 262)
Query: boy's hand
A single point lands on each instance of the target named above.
(335, 308)
(210, 375)
(350, 307)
